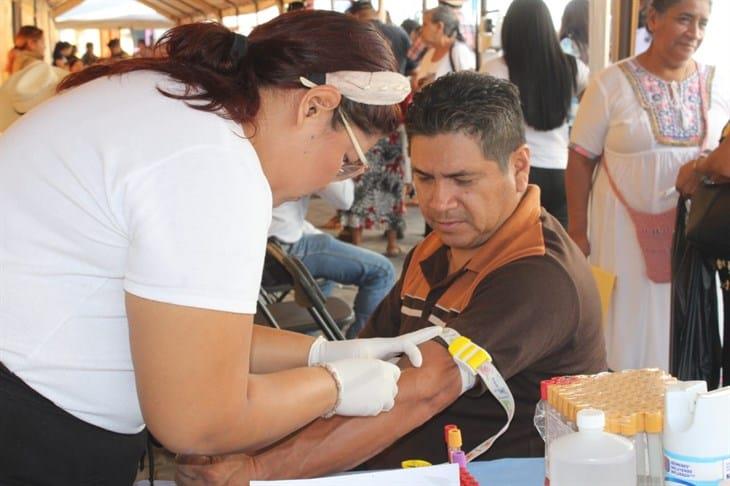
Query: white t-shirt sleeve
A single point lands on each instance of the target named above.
(466, 59)
(588, 136)
(197, 224)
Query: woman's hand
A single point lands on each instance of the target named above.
(688, 180)
(230, 470)
(367, 387)
(323, 351)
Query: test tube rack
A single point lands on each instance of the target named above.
(633, 403)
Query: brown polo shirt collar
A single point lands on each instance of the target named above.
(519, 237)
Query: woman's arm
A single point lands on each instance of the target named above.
(340, 443)
(717, 163)
(192, 371)
(275, 350)
(578, 181)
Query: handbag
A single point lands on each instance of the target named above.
(708, 224)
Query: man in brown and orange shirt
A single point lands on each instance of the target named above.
(497, 268)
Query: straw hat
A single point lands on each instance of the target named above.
(27, 88)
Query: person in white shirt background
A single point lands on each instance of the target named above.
(331, 259)
(131, 258)
(548, 80)
(447, 53)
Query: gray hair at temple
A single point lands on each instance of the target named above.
(478, 105)
(447, 16)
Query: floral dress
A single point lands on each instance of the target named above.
(379, 191)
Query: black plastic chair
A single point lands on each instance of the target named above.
(310, 311)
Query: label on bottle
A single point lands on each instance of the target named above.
(695, 471)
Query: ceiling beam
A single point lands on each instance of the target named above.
(162, 9)
(185, 8)
(198, 6)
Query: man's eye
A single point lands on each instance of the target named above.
(464, 182)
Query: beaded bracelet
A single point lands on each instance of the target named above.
(338, 383)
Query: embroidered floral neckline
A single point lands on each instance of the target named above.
(676, 109)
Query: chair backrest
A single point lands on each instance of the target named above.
(288, 269)
(306, 290)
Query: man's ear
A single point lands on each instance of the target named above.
(318, 104)
(519, 165)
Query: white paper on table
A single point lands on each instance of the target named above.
(441, 475)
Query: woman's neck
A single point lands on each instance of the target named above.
(660, 66)
(442, 49)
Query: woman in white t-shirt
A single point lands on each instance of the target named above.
(447, 52)
(548, 79)
(131, 257)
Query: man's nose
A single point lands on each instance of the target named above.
(443, 197)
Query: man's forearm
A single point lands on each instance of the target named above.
(275, 350)
(340, 443)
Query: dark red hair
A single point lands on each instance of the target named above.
(302, 43)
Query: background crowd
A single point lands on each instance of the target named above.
(606, 153)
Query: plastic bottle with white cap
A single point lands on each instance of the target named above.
(591, 456)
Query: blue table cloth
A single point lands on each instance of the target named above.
(502, 472)
(512, 472)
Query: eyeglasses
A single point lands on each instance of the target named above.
(351, 168)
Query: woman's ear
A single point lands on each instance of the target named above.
(652, 19)
(318, 104)
(440, 27)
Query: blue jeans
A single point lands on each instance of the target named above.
(339, 262)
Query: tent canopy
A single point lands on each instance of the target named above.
(111, 14)
(176, 11)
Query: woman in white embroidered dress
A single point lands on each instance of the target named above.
(642, 119)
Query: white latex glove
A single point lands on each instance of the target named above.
(367, 386)
(323, 351)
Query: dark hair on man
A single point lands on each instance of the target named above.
(538, 66)
(474, 104)
(89, 45)
(26, 33)
(574, 26)
(113, 43)
(225, 80)
(447, 16)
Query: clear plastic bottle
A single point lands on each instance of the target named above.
(591, 456)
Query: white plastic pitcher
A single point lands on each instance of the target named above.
(696, 434)
(591, 456)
